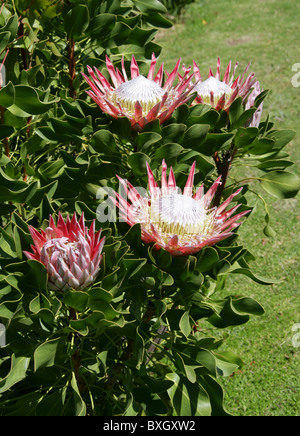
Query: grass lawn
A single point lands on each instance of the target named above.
(265, 32)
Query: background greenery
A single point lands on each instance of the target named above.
(265, 33)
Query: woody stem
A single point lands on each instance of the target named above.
(223, 166)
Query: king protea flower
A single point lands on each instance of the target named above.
(141, 99)
(181, 223)
(220, 93)
(70, 252)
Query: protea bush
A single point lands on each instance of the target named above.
(126, 315)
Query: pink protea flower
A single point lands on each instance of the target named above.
(181, 223)
(255, 120)
(220, 93)
(70, 252)
(141, 99)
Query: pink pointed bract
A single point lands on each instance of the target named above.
(180, 222)
(220, 92)
(255, 119)
(70, 252)
(141, 99)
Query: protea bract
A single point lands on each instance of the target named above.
(70, 252)
(220, 93)
(141, 99)
(255, 119)
(180, 222)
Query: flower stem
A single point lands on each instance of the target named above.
(223, 166)
(72, 65)
(76, 358)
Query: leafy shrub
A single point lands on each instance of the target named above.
(145, 338)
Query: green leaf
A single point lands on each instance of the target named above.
(225, 368)
(76, 299)
(79, 404)
(169, 152)
(158, 20)
(245, 136)
(254, 277)
(20, 196)
(16, 373)
(103, 141)
(51, 170)
(147, 6)
(282, 137)
(173, 133)
(274, 164)
(188, 399)
(39, 275)
(77, 21)
(27, 102)
(5, 132)
(195, 136)
(248, 305)
(52, 404)
(157, 386)
(260, 98)
(4, 40)
(7, 95)
(137, 162)
(184, 324)
(146, 140)
(228, 362)
(11, 26)
(215, 142)
(236, 110)
(216, 395)
(281, 184)
(101, 23)
(44, 355)
(206, 259)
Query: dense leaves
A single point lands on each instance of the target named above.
(145, 338)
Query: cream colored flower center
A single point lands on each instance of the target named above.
(213, 85)
(180, 215)
(141, 89)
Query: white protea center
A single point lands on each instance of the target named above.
(215, 86)
(177, 211)
(141, 99)
(183, 216)
(140, 89)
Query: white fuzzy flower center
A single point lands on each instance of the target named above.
(141, 89)
(179, 214)
(213, 85)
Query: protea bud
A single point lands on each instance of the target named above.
(181, 223)
(140, 99)
(70, 252)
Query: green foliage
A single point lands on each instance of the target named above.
(145, 338)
